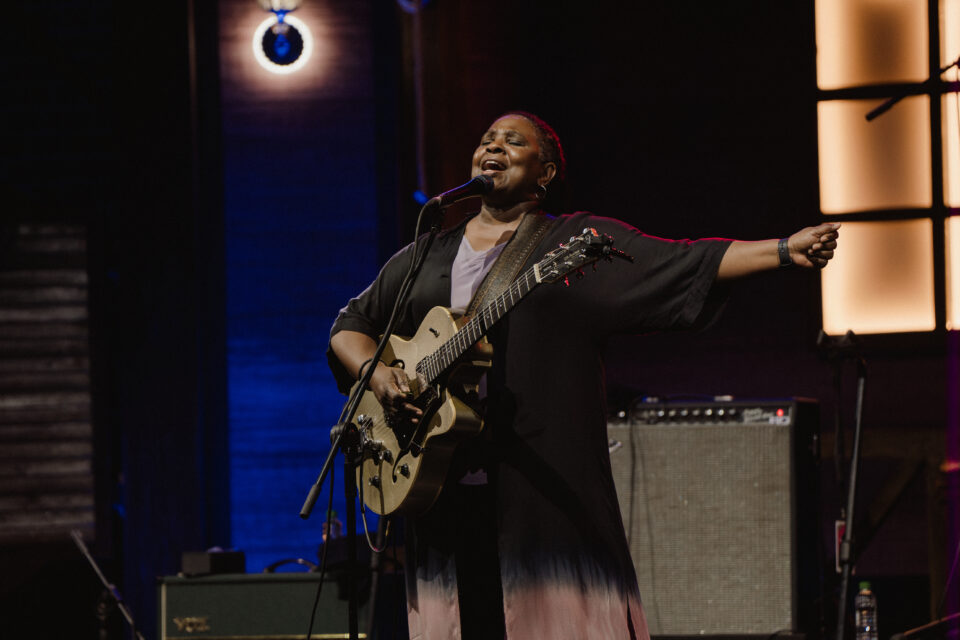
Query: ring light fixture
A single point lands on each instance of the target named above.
(282, 43)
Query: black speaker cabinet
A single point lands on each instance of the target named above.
(265, 606)
(720, 504)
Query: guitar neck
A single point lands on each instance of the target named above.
(433, 366)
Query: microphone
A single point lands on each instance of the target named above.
(477, 187)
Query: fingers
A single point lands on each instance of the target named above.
(393, 392)
(821, 253)
(823, 243)
(820, 258)
(826, 228)
(828, 245)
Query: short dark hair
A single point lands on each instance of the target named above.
(547, 139)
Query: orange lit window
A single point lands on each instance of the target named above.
(864, 42)
(951, 150)
(949, 31)
(882, 280)
(902, 169)
(953, 272)
(883, 164)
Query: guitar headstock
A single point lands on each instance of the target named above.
(579, 251)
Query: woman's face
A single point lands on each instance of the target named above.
(510, 154)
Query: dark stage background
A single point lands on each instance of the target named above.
(230, 213)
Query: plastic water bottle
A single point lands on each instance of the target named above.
(866, 605)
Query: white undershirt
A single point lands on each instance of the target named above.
(469, 268)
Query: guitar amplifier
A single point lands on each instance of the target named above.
(720, 505)
(266, 606)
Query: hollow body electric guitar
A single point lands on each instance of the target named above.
(404, 464)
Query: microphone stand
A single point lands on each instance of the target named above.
(887, 104)
(838, 350)
(110, 596)
(345, 436)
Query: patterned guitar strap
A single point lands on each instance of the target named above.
(505, 270)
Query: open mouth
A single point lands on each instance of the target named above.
(491, 165)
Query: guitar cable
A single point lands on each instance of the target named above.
(363, 516)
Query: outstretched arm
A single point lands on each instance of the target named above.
(811, 248)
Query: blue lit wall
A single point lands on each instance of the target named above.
(301, 237)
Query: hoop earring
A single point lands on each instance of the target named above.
(541, 192)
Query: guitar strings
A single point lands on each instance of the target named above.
(433, 365)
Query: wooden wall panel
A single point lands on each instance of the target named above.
(46, 437)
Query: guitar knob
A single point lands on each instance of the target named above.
(386, 456)
(375, 481)
(405, 471)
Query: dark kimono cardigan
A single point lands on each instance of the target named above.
(564, 563)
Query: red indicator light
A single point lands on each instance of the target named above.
(779, 413)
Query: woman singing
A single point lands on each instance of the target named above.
(526, 539)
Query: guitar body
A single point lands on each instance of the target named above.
(412, 462)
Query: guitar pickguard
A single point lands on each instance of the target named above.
(410, 435)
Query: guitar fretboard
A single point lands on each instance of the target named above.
(432, 366)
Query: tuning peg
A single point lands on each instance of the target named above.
(613, 252)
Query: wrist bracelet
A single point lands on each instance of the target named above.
(360, 370)
(783, 252)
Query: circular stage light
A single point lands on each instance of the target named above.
(282, 44)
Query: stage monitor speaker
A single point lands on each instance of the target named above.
(720, 505)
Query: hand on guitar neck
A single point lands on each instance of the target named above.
(390, 385)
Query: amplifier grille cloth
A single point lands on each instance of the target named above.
(707, 510)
